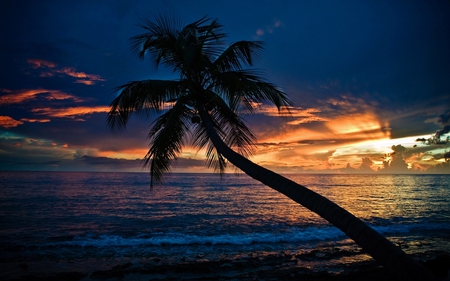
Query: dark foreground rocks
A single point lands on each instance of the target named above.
(268, 267)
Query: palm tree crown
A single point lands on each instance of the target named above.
(212, 79)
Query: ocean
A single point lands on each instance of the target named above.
(60, 220)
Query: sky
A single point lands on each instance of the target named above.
(367, 80)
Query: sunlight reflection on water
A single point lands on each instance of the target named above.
(384, 196)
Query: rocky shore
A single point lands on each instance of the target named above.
(281, 266)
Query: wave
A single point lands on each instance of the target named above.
(162, 239)
(412, 228)
(294, 235)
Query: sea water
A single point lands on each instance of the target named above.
(54, 217)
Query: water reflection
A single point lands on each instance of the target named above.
(384, 196)
(74, 202)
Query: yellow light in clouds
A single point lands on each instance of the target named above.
(355, 123)
(380, 146)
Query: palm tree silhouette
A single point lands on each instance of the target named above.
(202, 107)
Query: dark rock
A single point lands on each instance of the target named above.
(117, 271)
(439, 265)
(104, 274)
(66, 276)
(122, 266)
(24, 266)
(204, 266)
(226, 265)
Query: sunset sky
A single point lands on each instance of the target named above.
(367, 79)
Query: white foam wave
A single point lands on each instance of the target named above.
(158, 239)
(294, 235)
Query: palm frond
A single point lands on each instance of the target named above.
(141, 96)
(237, 55)
(229, 126)
(159, 41)
(211, 40)
(247, 87)
(233, 130)
(198, 44)
(213, 158)
(166, 139)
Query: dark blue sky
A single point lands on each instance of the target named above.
(357, 71)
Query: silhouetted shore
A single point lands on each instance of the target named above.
(270, 267)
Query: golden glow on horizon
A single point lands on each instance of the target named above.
(351, 139)
(384, 145)
(129, 154)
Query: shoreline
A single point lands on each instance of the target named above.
(281, 266)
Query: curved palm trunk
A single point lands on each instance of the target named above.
(382, 250)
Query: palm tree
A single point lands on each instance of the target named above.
(203, 106)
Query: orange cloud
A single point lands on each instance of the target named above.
(301, 115)
(330, 144)
(8, 122)
(19, 96)
(38, 63)
(57, 95)
(84, 78)
(46, 74)
(366, 125)
(268, 28)
(13, 97)
(70, 112)
(35, 120)
(89, 78)
(85, 82)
